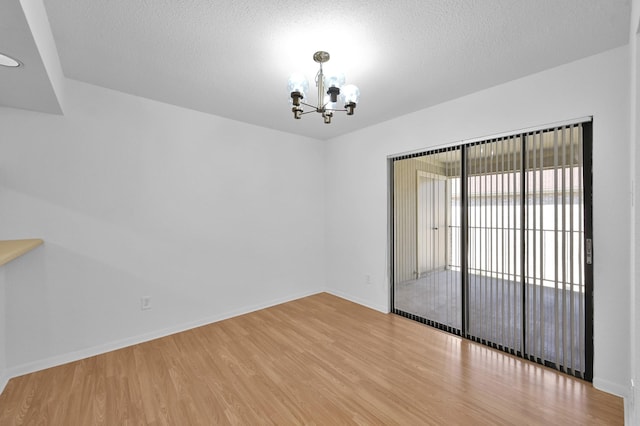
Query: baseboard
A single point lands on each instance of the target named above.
(612, 388)
(631, 411)
(359, 301)
(54, 361)
(625, 392)
(4, 379)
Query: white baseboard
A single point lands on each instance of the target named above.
(612, 388)
(4, 379)
(54, 361)
(631, 411)
(359, 301)
(625, 392)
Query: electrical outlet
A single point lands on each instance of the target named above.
(367, 279)
(145, 303)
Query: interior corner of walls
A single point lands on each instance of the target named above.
(635, 16)
(4, 379)
(631, 412)
(634, 410)
(59, 88)
(358, 300)
(3, 334)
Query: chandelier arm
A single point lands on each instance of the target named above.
(309, 105)
(324, 107)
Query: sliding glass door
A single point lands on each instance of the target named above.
(426, 200)
(491, 240)
(494, 217)
(558, 264)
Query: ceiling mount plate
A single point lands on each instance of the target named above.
(321, 56)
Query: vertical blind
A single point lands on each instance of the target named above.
(555, 238)
(489, 242)
(426, 221)
(494, 202)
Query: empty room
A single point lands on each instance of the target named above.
(296, 212)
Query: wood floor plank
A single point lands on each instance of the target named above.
(318, 360)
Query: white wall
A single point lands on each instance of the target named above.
(356, 185)
(208, 216)
(632, 407)
(3, 343)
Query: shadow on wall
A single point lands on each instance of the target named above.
(80, 293)
(83, 287)
(59, 301)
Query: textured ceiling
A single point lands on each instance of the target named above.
(232, 58)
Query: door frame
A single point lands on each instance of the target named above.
(429, 175)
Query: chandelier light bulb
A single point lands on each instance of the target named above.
(336, 80)
(328, 103)
(350, 93)
(298, 83)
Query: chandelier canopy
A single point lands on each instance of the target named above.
(329, 88)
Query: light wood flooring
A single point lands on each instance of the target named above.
(318, 360)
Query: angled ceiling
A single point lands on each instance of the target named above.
(232, 58)
(25, 35)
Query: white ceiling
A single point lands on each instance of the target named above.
(25, 35)
(232, 58)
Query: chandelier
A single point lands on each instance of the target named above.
(332, 85)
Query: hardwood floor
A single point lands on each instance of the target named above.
(317, 360)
